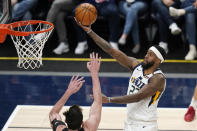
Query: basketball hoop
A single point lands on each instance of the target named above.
(29, 38)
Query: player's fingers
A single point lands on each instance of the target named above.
(76, 20)
(80, 79)
(93, 56)
(96, 56)
(99, 61)
(88, 64)
(72, 78)
(90, 56)
(76, 77)
(81, 84)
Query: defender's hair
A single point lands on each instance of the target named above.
(74, 117)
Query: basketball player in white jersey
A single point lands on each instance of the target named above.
(146, 84)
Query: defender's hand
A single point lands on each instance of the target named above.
(75, 84)
(94, 64)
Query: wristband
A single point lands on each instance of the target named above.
(89, 31)
(109, 99)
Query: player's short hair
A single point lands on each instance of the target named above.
(74, 117)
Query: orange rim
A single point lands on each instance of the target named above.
(23, 23)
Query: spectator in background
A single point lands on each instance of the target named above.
(188, 9)
(1, 8)
(57, 12)
(21, 9)
(189, 116)
(132, 9)
(165, 21)
(59, 9)
(109, 10)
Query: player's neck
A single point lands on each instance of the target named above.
(150, 70)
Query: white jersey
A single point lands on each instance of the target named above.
(144, 111)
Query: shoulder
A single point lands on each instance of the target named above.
(89, 127)
(158, 77)
(158, 81)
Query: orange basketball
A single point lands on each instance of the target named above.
(86, 14)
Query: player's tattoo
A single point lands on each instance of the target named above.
(100, 42)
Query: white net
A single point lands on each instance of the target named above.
(29, 48)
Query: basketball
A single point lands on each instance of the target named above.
(86, 14)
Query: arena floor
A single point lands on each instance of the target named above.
(31, 118)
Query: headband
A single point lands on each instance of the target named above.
(157, 53)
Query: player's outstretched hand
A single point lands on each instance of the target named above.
(75, 84)
(94, 64)
(105, 99)
(85, 28)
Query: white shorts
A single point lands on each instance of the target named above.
(141, 127)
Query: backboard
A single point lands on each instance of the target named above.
(5, 11)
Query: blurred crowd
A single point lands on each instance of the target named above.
(169, 17)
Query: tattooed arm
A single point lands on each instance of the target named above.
(122, 58)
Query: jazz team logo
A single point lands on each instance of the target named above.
(136, 85)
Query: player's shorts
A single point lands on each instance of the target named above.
(140, 127)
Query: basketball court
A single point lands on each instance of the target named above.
(27, 96)
(31, 118)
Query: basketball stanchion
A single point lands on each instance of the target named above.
(29, 38)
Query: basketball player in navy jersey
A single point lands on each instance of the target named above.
(74, 116)
(146, 84)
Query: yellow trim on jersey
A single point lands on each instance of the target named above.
(157, 94)
(133, 78)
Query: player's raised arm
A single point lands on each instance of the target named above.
(75, 84)
(122, 58)
(95, 111)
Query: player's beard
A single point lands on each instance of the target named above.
(148, 65)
